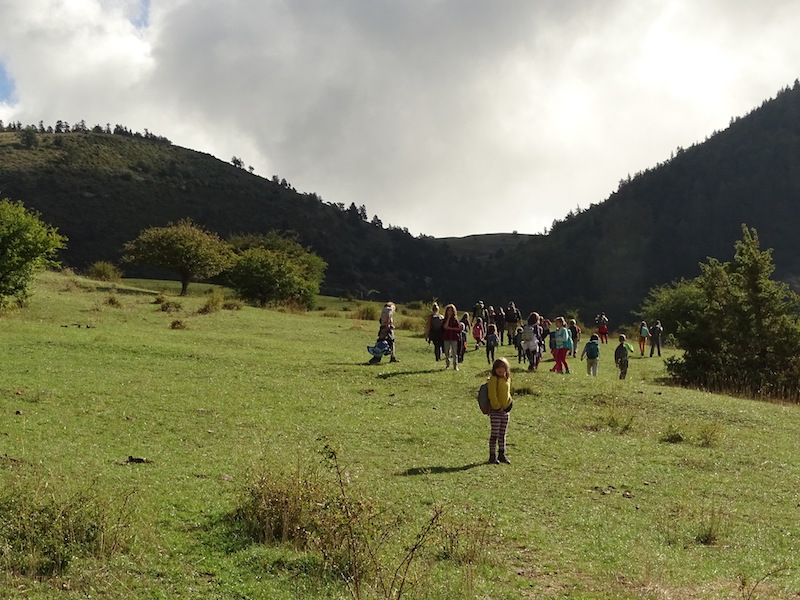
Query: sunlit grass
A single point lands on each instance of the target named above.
(596, 503)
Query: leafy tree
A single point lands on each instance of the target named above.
(275, 268)
(27, 245)
(29, 137)
(182, 247)
(739, 329)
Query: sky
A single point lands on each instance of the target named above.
(445, 117)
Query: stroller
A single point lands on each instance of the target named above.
(378, 351)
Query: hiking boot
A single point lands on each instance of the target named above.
(492, 460)
(502, 459)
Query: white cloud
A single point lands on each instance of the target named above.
(448, 117)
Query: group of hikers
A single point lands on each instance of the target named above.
(492, 328)
(531, 336)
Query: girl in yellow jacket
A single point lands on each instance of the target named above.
(500, 400)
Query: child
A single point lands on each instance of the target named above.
(478, 333)
(500, 400)
(644, 333)
(531, 340)
(386, 333)
(621, 356)
(602, 327)
(492, 341)
(462, 340)
(518, 345)
(451, 336)
(575, 330)
(592, 353)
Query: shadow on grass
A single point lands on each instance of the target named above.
(400, 373)
(123, 291)
(438, 470)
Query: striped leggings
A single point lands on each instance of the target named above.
(499, 423)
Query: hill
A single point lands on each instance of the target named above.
(660, 224)
(100, 189)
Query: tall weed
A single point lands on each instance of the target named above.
(357, 539)
(42, 531)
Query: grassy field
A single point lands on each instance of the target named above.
(617, 489)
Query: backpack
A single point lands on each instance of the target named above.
(592, 350)
(528, 333)
(437, 321)
(492, 340)
(483, 398)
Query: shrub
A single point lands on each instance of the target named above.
(104, 271)
(672, 436)
(113, 301)
(411, 324)
(365, 312)
(171, 306)
(351, 533)
(43, 530)
(232, 304)
(214, 301)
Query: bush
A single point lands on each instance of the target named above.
(104, 271)
(171, 306)
(365, 312)
(42, 530)
(215, 298)
(733, 306)
(232, 304)
(353, 535)
(27, 246)
(113, 301)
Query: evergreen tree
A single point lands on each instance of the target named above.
(739, 329)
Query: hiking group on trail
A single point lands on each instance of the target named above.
(530, 337)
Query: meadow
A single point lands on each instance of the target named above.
(156, 419)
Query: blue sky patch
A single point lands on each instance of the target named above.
(142, 19)
(6, 85)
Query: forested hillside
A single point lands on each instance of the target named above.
(661, 223)
(101, 187)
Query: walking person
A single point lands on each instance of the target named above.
(513, 318)
(434, 333)
(500, 401)
(563, 344)
(500, 321)
(621, 356)
(575, 330)
(492, 341)
(531, 341)
(451, 336)
(655, 337)
(592, 353)
(644, 333)
(602, 327)
(386, 333)
(478, 332)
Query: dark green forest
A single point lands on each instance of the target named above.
(100, 186)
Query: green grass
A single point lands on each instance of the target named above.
(602, 499)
